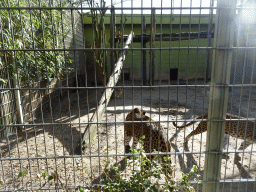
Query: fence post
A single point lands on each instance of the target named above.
(220, 78)
(18, 102)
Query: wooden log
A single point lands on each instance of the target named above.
(90, 131)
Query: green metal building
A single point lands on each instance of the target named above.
(190, 58)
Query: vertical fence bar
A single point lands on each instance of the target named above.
(209, 41)
(152, 45)
(220, 78)
(144, 52)
(112, 38)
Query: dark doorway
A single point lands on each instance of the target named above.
(126, 74)
(173, 73)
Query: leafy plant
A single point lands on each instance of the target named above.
(28, 39)
(145, 176)
(52, 177)
(141, 179)
(23, 173)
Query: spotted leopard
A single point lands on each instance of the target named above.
(238, 129)
(155, 138)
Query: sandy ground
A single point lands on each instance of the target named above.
(48, 147)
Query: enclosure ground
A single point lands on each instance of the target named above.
(50, 147)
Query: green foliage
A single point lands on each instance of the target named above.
(23, 173)
(33, 29)
(80, 168)
(141, 180)
(144, 178)
(4, 81)
(51, 177)
(44, 175)
(141, 174)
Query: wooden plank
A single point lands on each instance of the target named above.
(90, 131)
(152, 45)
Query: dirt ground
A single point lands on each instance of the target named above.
(49, 146)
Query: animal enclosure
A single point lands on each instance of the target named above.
(72, 71)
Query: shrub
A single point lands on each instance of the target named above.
(141, 179)
(38, 32)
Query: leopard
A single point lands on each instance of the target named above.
(239, 129)
(155, 138)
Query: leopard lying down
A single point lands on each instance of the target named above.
(238, 129)
(155, 138)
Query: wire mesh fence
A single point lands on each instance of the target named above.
(80, 79)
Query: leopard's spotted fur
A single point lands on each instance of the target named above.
(238, 129)
(155, 138)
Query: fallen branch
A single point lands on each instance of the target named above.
(90, 130)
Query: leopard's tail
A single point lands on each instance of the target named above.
(183, 126)
(205, 116)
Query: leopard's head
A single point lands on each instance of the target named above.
(138, 111)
